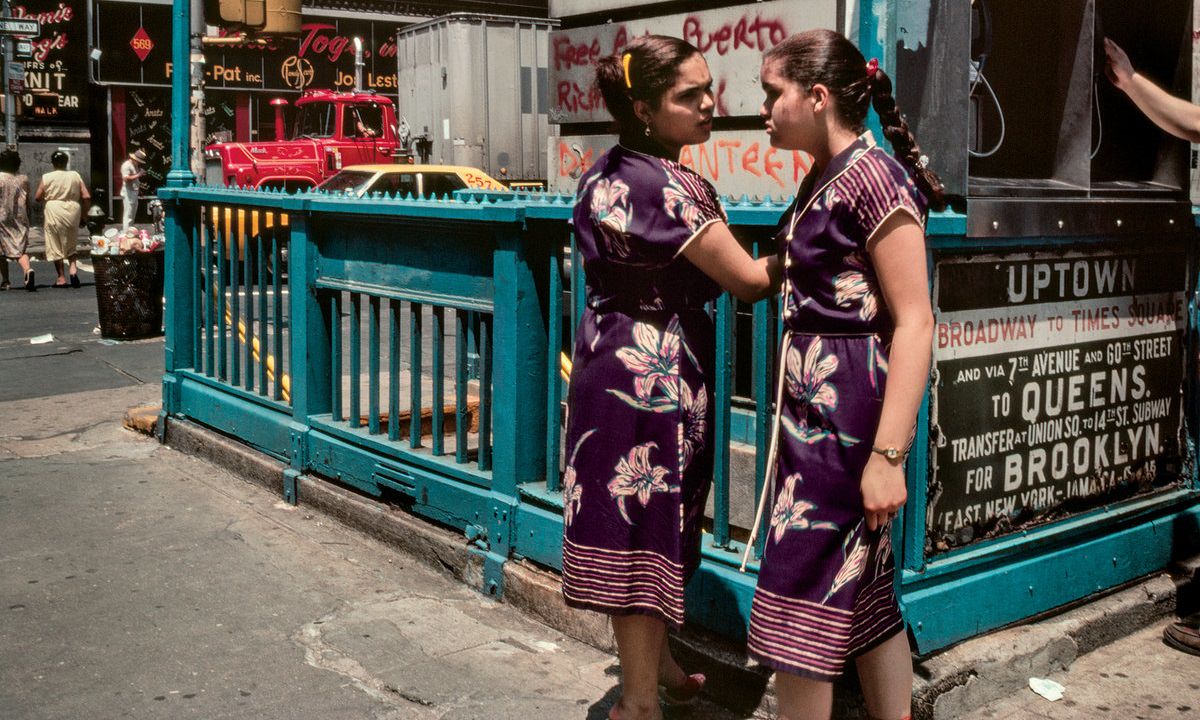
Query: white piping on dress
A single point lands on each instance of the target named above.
(772, 451)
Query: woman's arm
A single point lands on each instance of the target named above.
(720, 256)
(41, 191)
(84, 195)
(1178, 117)
(898, 255)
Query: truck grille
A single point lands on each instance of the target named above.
(212, 172)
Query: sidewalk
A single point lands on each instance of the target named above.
(140, 582)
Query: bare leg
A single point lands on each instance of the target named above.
(23, 261)
(886, 674)
(58, 268)
(73, 267)
(669, 672)
(640, 641)
(802, 698)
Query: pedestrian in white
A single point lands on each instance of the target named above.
(131, 175)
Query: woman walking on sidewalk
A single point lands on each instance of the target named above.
(14, 219)
(655, 249)
(853, 369)
(64, 193)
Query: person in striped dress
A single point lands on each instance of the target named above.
(853, 368)
(656, 249)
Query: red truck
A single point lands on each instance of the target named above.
(331, 130)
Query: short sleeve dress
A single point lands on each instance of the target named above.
(825, 586)
(638, 442)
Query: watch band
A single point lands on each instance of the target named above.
(890, 452)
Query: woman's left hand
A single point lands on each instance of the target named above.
(883, 490)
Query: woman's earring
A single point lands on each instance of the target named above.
(647, 131)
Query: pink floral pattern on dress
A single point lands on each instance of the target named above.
(853, 565)
(573, 491)
(851, 287)
(637, 477)
(654, 361)
(807, 381)
(613, 214)
(789, 513)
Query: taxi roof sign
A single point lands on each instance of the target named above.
(14, 26)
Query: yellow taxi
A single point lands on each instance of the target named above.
(402, 180)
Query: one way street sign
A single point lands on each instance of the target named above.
(13, 26)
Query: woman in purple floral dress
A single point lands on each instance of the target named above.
(854, 365)
(655, 250)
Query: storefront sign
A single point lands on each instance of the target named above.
(1058, 387)
(56, 78)
(135, 41)
(141, 44)
(732, 39)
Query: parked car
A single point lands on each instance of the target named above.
(402, 180)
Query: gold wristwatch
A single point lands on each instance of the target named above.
(893, 454)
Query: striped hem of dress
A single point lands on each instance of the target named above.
(815, 641)
(622, 582)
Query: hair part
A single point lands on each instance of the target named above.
(654, 62)
(825, 57)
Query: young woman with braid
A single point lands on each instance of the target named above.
(656, 248)
(853, 368)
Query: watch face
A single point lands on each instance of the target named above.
(891, 453)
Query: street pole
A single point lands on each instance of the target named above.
(198, 128)
(10, 102)
(181, 50)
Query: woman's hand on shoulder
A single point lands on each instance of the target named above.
(883, 489)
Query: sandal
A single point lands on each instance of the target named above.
(5, 286)
(1184, 635)
(685, 693)
(74, 281)
(30, 283)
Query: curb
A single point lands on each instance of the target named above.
(945, 686)
(978, 671)
(143, 418)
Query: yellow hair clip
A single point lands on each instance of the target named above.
(625, 60)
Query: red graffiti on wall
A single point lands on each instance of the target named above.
(729, 157)
(735, 157)
(570, 53)
(573, 98)
(573, 164)
(755, 33)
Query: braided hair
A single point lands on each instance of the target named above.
(824, 57)
(644, 70)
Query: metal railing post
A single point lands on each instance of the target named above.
(181, 228)
(519, 353)
(310, 321)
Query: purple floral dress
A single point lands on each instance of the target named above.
(825, 586)
(639, 451)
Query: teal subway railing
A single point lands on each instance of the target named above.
(411, 350)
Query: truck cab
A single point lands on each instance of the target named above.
(331, 130)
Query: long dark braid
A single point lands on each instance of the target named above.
(895, 129)
(824, 57)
